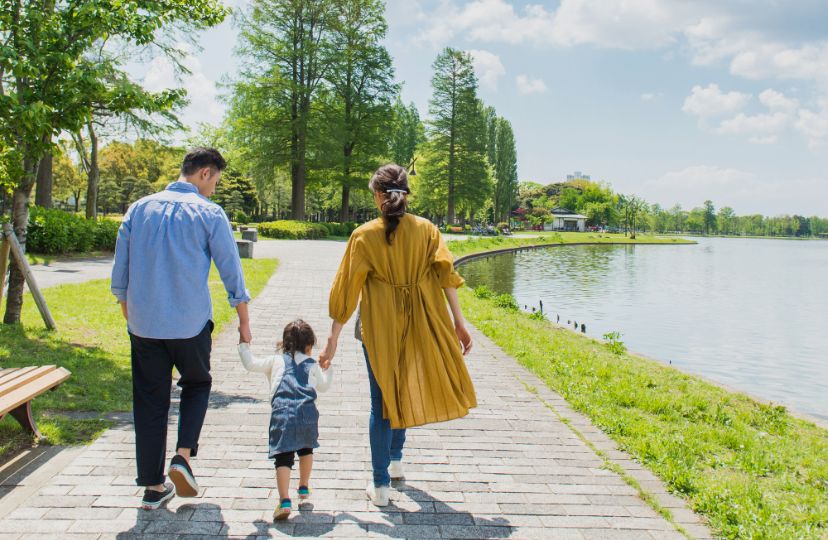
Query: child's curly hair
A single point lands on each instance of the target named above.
(298, 335)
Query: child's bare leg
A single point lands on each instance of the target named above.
(283, 482)
(305, 467)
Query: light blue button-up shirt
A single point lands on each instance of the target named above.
(162, 261)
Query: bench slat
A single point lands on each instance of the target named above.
(11, 374)
(17, 382)
(32, 390)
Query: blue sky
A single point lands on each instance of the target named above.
(676, 101)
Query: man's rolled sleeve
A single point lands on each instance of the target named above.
(226, 256)
(120, 270)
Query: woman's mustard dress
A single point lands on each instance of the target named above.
(406, 328)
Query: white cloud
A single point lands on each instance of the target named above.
(201, 91)
(488, 67)
(771, 139)
(710, 102)
(647, 97)
(777, 101)
(530, 85)
(761, 123)
(743, 191)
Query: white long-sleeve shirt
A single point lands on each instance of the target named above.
(274, 367)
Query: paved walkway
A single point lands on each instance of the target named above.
(512, 469)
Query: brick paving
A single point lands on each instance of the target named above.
(511, 469)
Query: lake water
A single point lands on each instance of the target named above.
(746, 312)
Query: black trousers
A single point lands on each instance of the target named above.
(152, 364)
(286, 459)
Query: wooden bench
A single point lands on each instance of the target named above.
(456, 229)
(19, 386)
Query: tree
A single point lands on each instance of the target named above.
(506, 177)
(409, 133)
(709, 216)
(288, 51)
(47, 87)
(362, 85)
(233, 180)
(67, 180)
(457, 132)
(235, 203)
(725, 216)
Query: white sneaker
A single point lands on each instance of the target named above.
(378, 495)
(396, 469)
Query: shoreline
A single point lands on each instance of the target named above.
(459, 261)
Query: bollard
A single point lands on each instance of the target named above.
(250, 234)
(245, 249)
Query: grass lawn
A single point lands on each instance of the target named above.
(753, 470)
(91, 342)
(35, 258)
(487, 243)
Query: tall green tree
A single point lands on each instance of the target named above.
(46, 86)
(362, 84)
(506, 176)
(709, 216)
(457, 130)
(287, 51)
(409, 133)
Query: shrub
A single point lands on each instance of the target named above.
(502, 226)
(52, 231)
(241, 217)
(506, 301)
(293, 230)
(483, 292)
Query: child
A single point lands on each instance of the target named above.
(295, 378)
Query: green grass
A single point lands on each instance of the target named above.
(488, 243)
(753, 470)
(92, 343)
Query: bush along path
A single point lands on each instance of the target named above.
(93, 344)
(752, 470)
(511, 469)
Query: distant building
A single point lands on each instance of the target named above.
(577, 176)
(567, 220)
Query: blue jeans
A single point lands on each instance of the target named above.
(386, 443)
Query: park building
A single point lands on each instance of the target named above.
(577, 176)
(565, 219)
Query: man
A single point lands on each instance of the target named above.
(162, 260)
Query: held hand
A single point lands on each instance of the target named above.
(465, 339)
(124, 310)
(327, 353)
(245, 336)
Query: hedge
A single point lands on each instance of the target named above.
(293, 230)
(340, 229)
(52, 231)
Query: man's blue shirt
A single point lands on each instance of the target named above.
(162, 261)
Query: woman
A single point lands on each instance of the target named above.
(399, 264)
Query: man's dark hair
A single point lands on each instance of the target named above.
(200, 157)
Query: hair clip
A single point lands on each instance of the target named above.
(395, 191)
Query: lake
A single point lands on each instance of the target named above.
(746, 312)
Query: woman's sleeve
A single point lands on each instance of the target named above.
(353, 270)
(443, 261)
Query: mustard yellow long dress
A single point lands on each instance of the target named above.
(406, 328)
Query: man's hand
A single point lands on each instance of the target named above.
(245, 336)
(464, 337)
(124, 309)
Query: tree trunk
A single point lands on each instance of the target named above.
(93, 176)
(19, 219)
(346, 196)
(43, 191)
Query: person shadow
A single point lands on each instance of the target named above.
(204, 520)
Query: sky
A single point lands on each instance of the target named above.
(676, 101)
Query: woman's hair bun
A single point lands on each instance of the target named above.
(394, 178)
